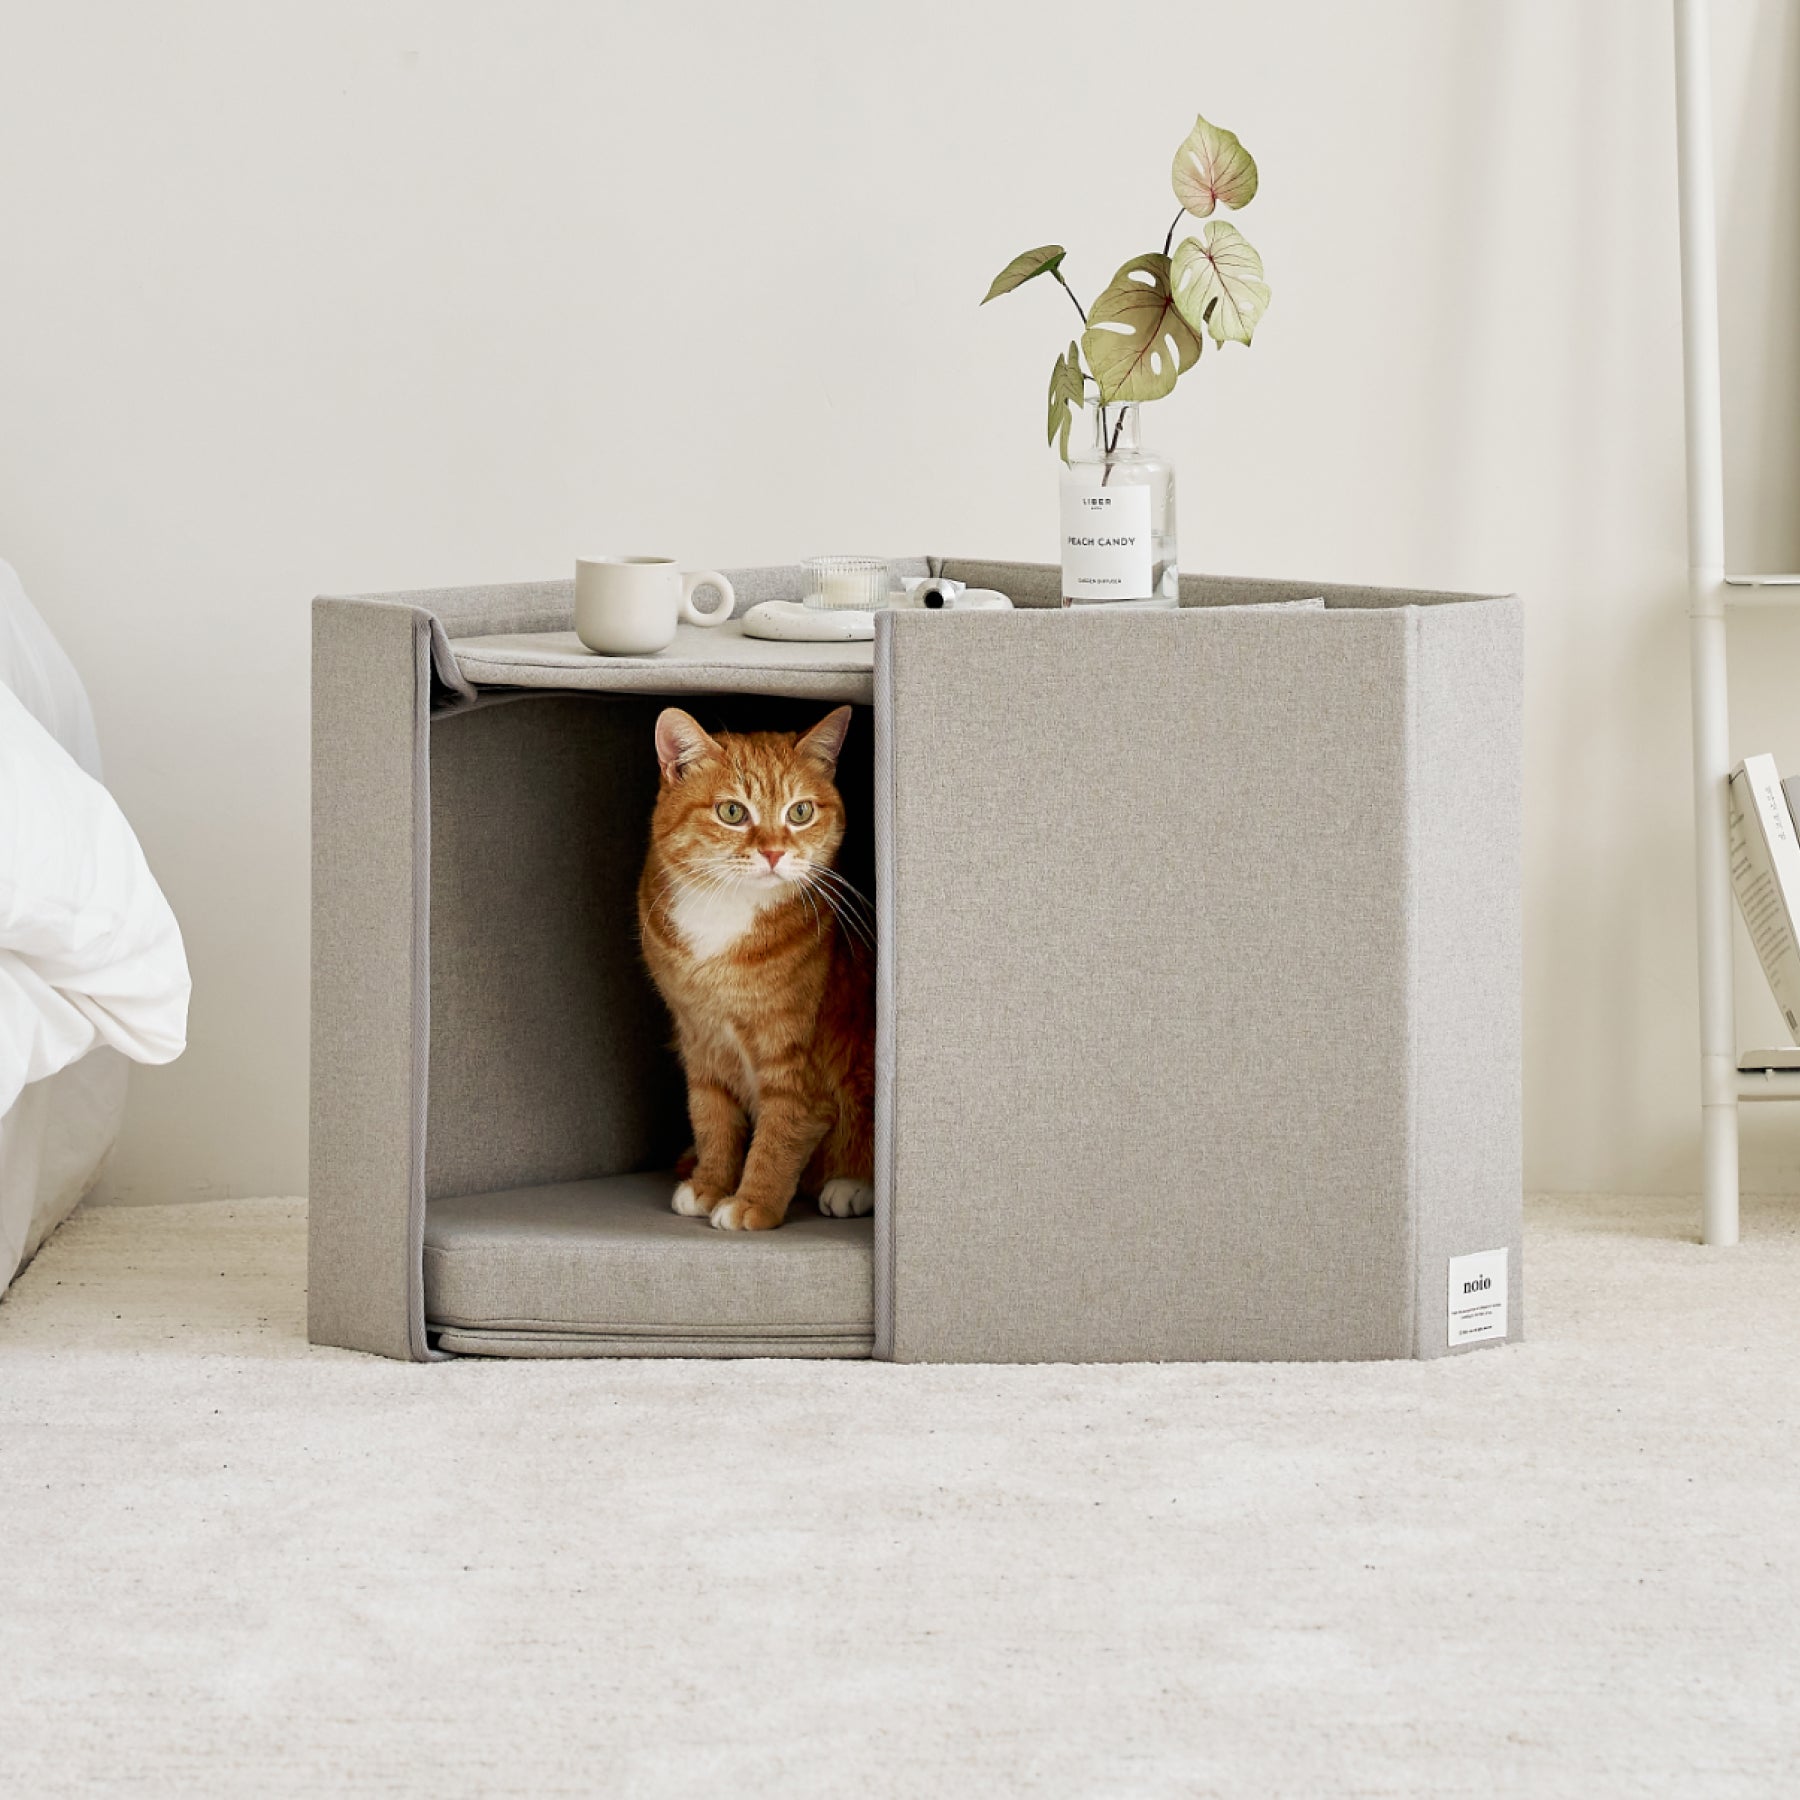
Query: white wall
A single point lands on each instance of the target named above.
(334, 296)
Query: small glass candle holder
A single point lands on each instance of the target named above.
(835, 582)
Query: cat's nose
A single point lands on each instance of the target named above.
(774, 856)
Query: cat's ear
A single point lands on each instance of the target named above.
(680, 743)
(826, 739)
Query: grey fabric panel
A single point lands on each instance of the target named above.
(449, 686)
(1040, 584)
(508, 608)
(459, 1341)
(446, 686)
(1468, 677)
(549, 1056)
(608, 1259)
(1148, 964)
(702, 660)
(885, 1007)
(1218, 1006)
(504, 606)
(716, 659)
(365, 1216)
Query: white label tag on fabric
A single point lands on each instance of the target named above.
(1106, 543)
(1477, 1297)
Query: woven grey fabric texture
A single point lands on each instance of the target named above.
(1199, 973)
(1150, 990)
(370, 1023)
(510, 608)
(1466, 820)
(1040, 585)
(463, 1341)
(549, 1046)
(716, 659)
(609, 1260)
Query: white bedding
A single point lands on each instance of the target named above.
(37, 668)
(89, 950)
(53, 1145)
(92, 967)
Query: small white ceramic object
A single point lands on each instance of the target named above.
(791, 622)
(940, 593)
(630, 605)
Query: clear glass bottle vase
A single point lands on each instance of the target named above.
(1118, 518)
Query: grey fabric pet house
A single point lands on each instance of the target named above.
(1198, 1002)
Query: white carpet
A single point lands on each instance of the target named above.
(230, 1564)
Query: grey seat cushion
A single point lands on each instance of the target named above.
(605, 1268)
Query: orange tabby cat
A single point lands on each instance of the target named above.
(751, 939)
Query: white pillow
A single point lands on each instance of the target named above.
(37, 668)
(89, 951)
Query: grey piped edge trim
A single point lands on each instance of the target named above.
(886, 801)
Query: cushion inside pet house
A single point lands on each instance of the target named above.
(1198, 989)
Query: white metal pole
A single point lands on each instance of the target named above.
(1706, 613)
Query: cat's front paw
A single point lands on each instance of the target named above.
(845, 1198)
(744, 1215)
(688, 1203)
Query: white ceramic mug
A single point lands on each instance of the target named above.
(630, 605)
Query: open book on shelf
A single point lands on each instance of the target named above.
(1765, 875)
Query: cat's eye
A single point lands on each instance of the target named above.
(800, 812)
(733, 812)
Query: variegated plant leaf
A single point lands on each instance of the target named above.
(1213, 169)
(1137, 344)
(1065, 391)
(1218, 283)
(1023, 269)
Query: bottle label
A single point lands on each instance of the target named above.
(1106, 542)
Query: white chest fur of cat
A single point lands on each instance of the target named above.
(711, 919)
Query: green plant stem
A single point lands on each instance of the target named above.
(1170, 239)
(1106, 468)
(1071, 293)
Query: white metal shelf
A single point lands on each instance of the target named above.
(1769, 1074)
(1768, 1084)
(1721, 1085)
(1763, 590)
(1725, 1081)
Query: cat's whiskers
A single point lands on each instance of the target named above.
(843, 882)
(847, 889)
(845, 900)
(855, 925)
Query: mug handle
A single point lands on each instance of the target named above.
(706, 578)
